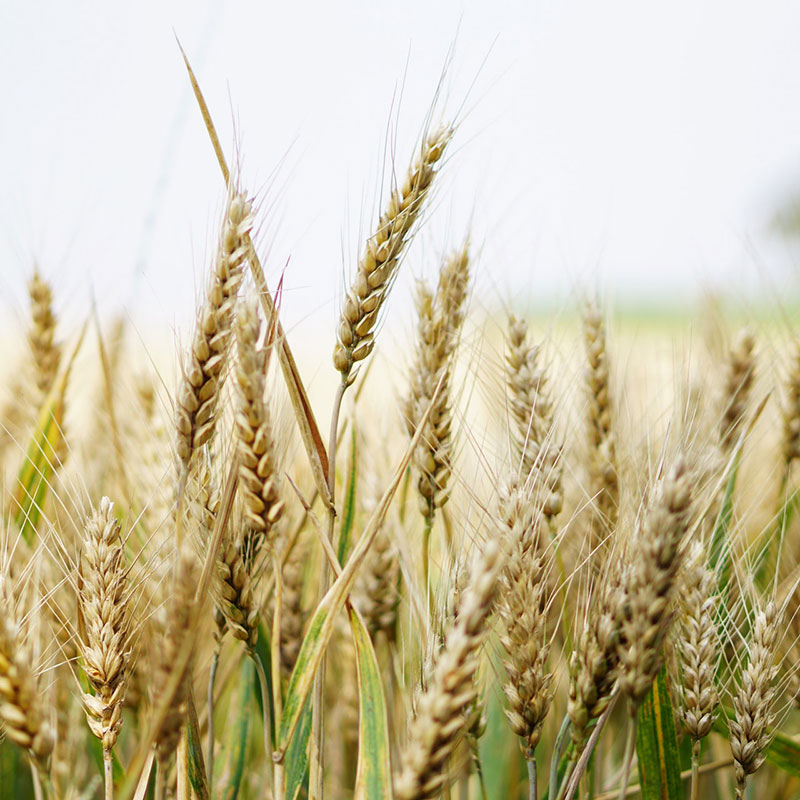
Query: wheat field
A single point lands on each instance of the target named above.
(541, 559)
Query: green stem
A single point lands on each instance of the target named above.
(108, 773)
(262, 684)
(212, 676)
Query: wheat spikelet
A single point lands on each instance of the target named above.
(532, 419)
(791, 411)
(258, 474)
(753, 703)
(41, 337)
(378, 265)
(698, 646)
(603, 471)
(650, 584)
(522, 605)
(593, 663)
(377, 587)
(440, 320)
(740, 371)
(204, 369)
(292, 613)
(22, 707)
(175, 626)
(105, 646)
(451, 688)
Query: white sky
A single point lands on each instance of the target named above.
(636, 146)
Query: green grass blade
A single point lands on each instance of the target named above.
(296, 761)
(240, 737)
(657, 745)
(349, 513)
(374, 772)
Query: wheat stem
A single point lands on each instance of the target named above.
(532, 793)
(212, 676)
(695, 764)
(265, 718)
(108, 773)
(628, 759)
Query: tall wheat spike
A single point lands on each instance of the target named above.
(378, 265)
(204, 369)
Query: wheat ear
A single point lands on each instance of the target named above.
(740, 372)
(22, 707)
(204, 368)
(650, 584)
(522, 606)
(791, 411)
(753, 703)
(532, 420)
(603, 470)
(105, 646)
(41, 337)
(594, 662)
(698, 644)
(175, 628)
(378, 265)
(440, 318)
(451, 688)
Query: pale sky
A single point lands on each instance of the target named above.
(636, 147)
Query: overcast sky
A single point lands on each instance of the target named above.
(634, 146)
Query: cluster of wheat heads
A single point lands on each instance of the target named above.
(200, 598)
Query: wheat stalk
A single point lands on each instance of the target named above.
(603, 469)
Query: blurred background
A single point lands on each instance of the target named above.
(650, 153)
